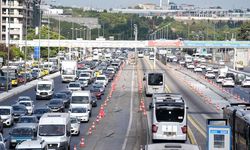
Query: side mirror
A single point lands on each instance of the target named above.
(151, 106)
(187, 108)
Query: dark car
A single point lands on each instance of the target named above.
(19, 110)
(56, 105)
(68, 92)
(21, 78)
(20, 134)
(64, 97)
(38, 112)
(3, 83)
(34, 74)
(1, 125)
(94, 101)
(96, 92)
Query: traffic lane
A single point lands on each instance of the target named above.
(110, 132)
(198, 110)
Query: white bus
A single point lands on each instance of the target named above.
(140, 54)
(169, 117)
(188, 59)
(155, 83)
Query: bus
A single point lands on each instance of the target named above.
(238, 118)
(169, 117)
(151, 56)
(188, 59)
(155, 83)
(13, 74)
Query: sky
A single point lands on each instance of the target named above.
(227, 4)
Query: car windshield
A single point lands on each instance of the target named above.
(44, 86)
(25, 103)
(78, 110)
(55, 102)
(68, 72)
(155, 79)
(100, 78)
(27, 120)
(74, 85)
(4, 111)
(40, 111)
(80, 100)
(51, 130)
(60, 95)
(22, 132)
(169, 114)
(24, 99)
(84, 75)
(18, 108)
(73, 120)
(81, 80)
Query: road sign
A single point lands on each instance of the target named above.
(164, 43)
(36, 52)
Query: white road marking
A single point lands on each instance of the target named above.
(131, 112)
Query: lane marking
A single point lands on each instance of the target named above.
(131, 111)
(197, 126)
(191, 136)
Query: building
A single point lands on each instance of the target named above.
(147, 6)
(13, 17)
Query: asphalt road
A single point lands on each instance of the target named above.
(198, 111)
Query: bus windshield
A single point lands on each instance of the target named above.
(169, 114)
(80, 100)
(155, 79)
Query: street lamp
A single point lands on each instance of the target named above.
(8, 55)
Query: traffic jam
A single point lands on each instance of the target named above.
(29, 123)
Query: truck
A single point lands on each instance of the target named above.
(68, 70)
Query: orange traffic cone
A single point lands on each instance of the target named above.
(82, 143)
(90, 131)
(75, 147)
(93, 125)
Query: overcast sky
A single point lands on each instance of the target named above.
(125, 3)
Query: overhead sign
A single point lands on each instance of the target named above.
(36, 52)
(217, 44)
(164, 43)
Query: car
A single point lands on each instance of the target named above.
(74, 86)
(84, 82)
(245, 82)
(35, 75)
(209, 68)
(210, 75)
(75, 126)
(29, 105)
(19, 110)
(38, 144)
(103, 79)
(38, 112)
(21, 133)
(100, 86)
(3, 83)
(228, 82)
(220, 78)
(203, 66)
(203, 60)
(30, 121)
(216, 69)
(56, 105)
(81, 113)
(24, 98)
(190, 66)
(6, 114)
(64, 97)
(182, 62)
(221, 62)
(94, 100)
(96, 92)
(197, 69)
(68, 92)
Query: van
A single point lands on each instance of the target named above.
(81, 99)
(54, 129)
(169, 117)
(6, 114)
(32, 145)
(45, 89)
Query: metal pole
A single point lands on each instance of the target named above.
(154, 57)
(25, 52)
(48, 37)
(136, 36)
(59, 37)
(234, 62)
(39, 30)
(8, 57)
(167, 32)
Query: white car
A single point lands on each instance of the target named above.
(209, 68)
(75, 126)
(190, 66)
(215, 69)
(24, 98)
(84, 82)
(181, 62)
(81, 113)
(220, 78)
(74, 86)
(6, 114)
(197, 69)
(246, 82)
(202, 60)
(29, 105)
(103, 79)
(203, 66)
(228, 82)
(210, 75)
(221, 62)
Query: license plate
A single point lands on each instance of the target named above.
(169, 133)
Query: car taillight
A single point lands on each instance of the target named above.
(184, 129)
(154, 128)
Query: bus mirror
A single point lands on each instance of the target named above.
(150, 106)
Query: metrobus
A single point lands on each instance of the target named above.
(155, 83)
(238, 118)
(13, 74)
(169, 117)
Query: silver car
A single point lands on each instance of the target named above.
(75, 126)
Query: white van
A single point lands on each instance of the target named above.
(6, 114)
(103, 79)
(54, 129)
(81, 99)
(45, 89)
(169, 117)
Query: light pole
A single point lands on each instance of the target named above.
(72, 28)
(25, 51)
(135, 34)
(8, 55)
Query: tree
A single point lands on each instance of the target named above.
(244, 31)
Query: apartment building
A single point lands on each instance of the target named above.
(13, 17)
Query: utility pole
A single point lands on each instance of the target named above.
(135, 34)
